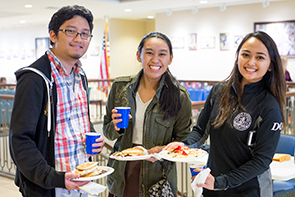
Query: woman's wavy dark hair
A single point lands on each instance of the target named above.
(274, 80)
(170, 94)
(66, 13)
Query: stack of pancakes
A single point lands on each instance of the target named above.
(130, 152)
(88, 169)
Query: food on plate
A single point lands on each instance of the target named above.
(88, 165)
(184, 153)
(281, 157)
(89, 169)
(130, 152)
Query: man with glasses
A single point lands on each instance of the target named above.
(51, 112)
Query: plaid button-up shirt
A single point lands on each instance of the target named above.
(72, 120)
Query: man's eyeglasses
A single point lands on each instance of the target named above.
(73, 33)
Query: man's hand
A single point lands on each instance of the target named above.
(100, 142)
(70, 185)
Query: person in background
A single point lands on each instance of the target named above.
(161, 111)
(51, 114)
(250, 100)
(3, 82)
(285, 64)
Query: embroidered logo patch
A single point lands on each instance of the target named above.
(277, 126)
(242, 121)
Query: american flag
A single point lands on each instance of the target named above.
(105, 61)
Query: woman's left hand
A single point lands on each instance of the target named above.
(209, 183)
(155, 149)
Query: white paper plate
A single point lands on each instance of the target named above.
(163, 154)
(133, 158)
(109, 170)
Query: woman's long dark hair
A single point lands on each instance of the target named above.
(170, 94)
(274, 80)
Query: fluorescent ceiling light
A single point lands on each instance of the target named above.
(22, 21)
(150, 17)
(203, 1)
(127, 10)
(28, 6)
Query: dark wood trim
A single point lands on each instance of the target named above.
(6, 97)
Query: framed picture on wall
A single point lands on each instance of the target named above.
(177, 42)
(41, 45)
(224, 41)
(282, 32)
(208, 42)
(237, 40)
(192, 42)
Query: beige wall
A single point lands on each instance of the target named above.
(213, 64)
(125, 36)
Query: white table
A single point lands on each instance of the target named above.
(283, 170)
(279, 170)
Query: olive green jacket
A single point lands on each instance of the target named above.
(157, 132)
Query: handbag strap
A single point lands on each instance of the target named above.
(165, 168)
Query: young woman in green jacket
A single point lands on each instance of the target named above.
(160, 114)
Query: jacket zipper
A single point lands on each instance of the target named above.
(143, 163)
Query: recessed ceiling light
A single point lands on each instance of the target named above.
(28, 6)
(127, 10)
(150, 17)
(203, 1)
(22, 21)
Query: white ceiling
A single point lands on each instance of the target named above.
(13, 11)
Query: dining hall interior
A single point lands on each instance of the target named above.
(204, 35)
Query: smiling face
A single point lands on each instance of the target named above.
(68, 48)
(253, 61)
(155, 58)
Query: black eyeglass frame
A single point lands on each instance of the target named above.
(73, 33)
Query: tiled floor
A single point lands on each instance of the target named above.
(7, 188)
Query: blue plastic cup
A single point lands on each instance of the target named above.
(196, 166)
(124, 111)
(90, 139)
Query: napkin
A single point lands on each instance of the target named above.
(93, 188)
(157, 156)
(200, 178)
(144, 150)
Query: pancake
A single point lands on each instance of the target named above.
(87, 165)
(96, 172)
(135, 151)
(86, 172)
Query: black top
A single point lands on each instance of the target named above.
(231, 161)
